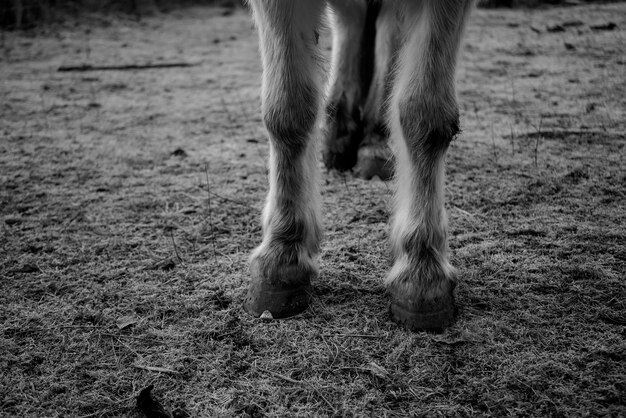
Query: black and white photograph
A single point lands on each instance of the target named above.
(312, 208)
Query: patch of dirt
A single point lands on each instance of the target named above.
(130, 200)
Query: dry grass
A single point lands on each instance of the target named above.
(116, 272)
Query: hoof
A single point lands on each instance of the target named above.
(371, 166)
(432, 316)
(340, 155)
(280, 301)
(375, 159)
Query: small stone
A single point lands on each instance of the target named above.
(267, 316)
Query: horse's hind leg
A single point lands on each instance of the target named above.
(284, 264)
(424, 119)
(353, 29)
(374, 156)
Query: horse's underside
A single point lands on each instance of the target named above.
(397, 85)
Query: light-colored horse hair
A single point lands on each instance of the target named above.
(420, 39)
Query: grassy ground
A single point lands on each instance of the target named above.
(130, 202)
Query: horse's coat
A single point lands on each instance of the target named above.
(419, 39)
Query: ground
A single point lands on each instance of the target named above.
(130, 201)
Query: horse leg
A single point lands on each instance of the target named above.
(424, 119)
(283, 265)
(353, 29)
(374, 156)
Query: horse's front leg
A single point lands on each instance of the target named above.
(424, 119)
(284, 264)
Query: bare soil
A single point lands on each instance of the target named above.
(130, 200)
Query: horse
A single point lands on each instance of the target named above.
(403, 114)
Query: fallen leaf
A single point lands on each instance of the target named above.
(179, 152)
(126, 321)
(151, 407)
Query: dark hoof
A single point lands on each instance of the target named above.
(371, 166)
(432, 316)
(375, 158)
(280, 301)
(341, 154)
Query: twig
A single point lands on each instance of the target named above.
(208, 185)
(93, 326)
(539, 136)
(285, 378)
(129, 348)
(89, 67)
(155, 369)
(323, 398)
(175, 249)
(373, 336)
(134, 337)
(464, 212)
(468, 216)
(303, 382)
(228, 199)
(360, 369)
(493, 145)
